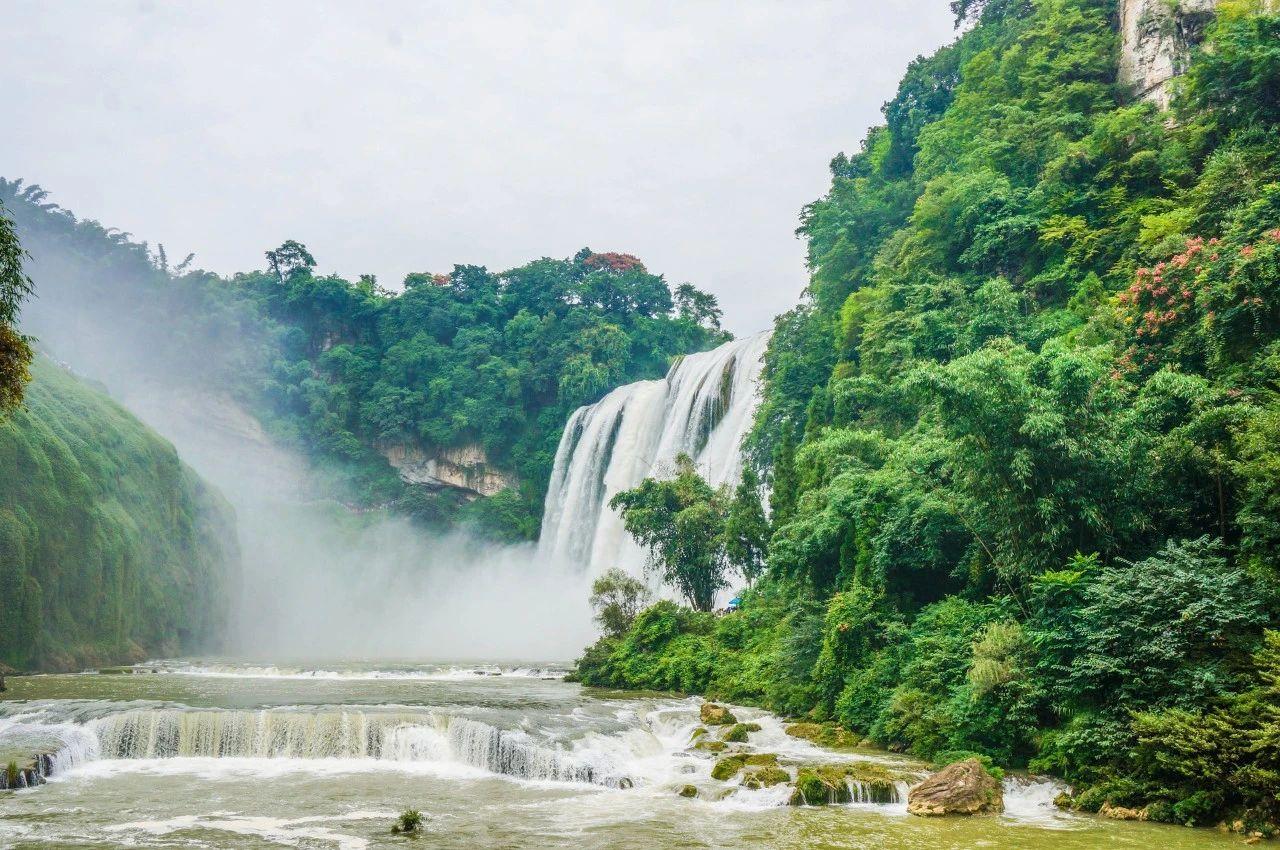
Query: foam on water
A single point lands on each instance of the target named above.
(429, 674)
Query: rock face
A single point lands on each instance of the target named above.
(464, 468)
(1157, 39)
(963, 788)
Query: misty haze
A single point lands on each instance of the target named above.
(842, 425)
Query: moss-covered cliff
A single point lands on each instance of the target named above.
(110, 548)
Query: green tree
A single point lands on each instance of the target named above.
(15, 285)
(746, 528)
(681, 521)
(784, 480)
(617, 598)
(289, 259)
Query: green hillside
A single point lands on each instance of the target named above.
(110, 548)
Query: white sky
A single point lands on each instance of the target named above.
(408, 136)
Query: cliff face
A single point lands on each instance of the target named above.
(1157, 39)
(465, 468)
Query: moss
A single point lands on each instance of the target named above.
(711, 746)
(697, 733)
(764, 777)
(689, 791)
(728, 767)
(825, 735)
(817, 786)
(738, 733)
(716, 715)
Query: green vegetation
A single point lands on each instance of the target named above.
(617, 598)
(409, 822)
(1023, 435)
(343, 370)
(15, 285)
(110, 548)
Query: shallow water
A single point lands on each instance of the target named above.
(225, 755)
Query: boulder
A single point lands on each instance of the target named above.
(962, 788)
(716, 715)
(729, 766)
(1122, 812)
(755, 778)
(689, 791)
(738, 732)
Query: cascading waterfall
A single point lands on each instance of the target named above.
(704, 408)
(346, 734)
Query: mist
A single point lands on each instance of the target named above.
(318, 579)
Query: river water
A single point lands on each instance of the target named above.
(229, 755)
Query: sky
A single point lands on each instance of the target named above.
(397, 137)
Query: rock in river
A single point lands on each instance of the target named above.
(963, 788)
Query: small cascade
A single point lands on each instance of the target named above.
(704, 408)
(877, 793)
(327, 734)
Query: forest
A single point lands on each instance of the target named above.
(111, 549)
(1022, 436)
(339, 370)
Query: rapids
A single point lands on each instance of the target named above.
(216, 754)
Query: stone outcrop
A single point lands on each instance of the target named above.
(963, 788)
(465, 468)
(1157, 38)
(716, 715)
(14, 776)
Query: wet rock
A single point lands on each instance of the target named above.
(962, 788)
(711, 746)
(729, 766)
(738, 732)
(1122, 813)
(689, 791)
(697, 733)
(826, 735)
(755, 778)
(713, 714)
(820, 786)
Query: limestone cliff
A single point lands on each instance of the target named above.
(1157, 38)
(464, 468)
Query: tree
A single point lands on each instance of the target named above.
(15, 286)
(681, 521)
(699, 307)
(290, 258)
(617, 598)
(786, 483)
(746, 529)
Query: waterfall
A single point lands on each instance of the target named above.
(703, 408)
(328, 734)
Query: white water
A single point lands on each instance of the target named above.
(703, 408)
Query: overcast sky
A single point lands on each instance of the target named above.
(397, 137)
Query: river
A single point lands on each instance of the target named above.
(232, 755)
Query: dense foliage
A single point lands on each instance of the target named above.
(15, 285)
(1024, 433)
(342, 370)
(110, 548)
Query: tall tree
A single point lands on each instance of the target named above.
(681, 521)
(746, 530)
(15, 285)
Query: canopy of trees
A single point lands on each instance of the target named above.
(340, 369)
(1023, 434)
